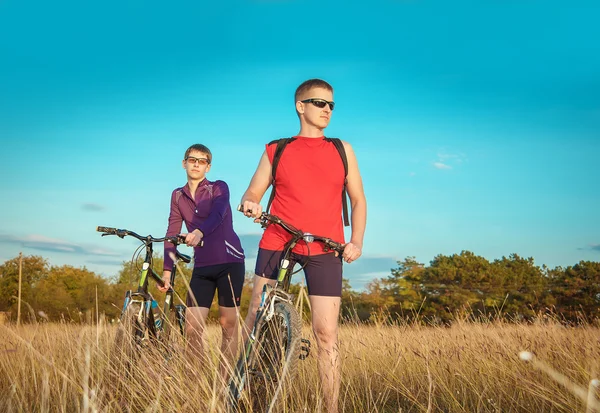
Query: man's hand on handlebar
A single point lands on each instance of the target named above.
(251, 210)
(351, 252)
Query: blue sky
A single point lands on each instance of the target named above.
(476, 124)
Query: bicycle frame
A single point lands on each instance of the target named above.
(271, 294)
(270, 297)
(284, 276)
(149, 316)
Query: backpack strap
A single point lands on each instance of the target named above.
(339, 145)
(281, 144)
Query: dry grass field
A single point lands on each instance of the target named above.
(468, 367)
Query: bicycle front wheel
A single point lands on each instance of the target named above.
(126, 348)
(271, 363)
(173, 331)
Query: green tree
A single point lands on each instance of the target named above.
(403, 286)
(453, 284)
(577, 290)
(73, 294)
(523, 285)
(34, 269)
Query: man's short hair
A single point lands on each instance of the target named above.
(198, 147)
(308, 85)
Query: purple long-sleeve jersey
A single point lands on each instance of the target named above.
(210, 212)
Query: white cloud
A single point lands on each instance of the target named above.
(458, 157)
(447, 160)
(441, 165)
(43, 243)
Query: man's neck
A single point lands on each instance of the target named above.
(310, 131)
(193, 185)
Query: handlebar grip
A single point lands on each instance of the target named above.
(335, 246)
(181, 241)
(107, 230)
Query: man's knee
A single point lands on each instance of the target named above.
(326, 335)
(257, 294)
(254, 303)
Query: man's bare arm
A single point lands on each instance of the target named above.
(258, 186)
(358, 202)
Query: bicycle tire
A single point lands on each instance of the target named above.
(271, 363)
(173, 331)
(128, 340)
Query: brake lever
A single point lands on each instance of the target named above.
(264, 223)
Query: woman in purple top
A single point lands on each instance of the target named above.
(219, 264)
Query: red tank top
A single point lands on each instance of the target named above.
(309, 181)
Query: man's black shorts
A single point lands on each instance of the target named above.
(323, 272)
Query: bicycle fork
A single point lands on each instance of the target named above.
(267, 304)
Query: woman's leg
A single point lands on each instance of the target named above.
(195, 325)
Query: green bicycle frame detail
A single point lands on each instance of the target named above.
(150, 317)
(144, 274)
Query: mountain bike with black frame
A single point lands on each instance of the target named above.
(270, 355)
(142, 322)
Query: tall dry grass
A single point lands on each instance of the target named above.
(468, 367)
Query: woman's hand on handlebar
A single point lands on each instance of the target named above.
(193, 238)
(167, 280)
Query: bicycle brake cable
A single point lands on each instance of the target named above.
(134, 259)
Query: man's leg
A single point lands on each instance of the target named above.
(324, 282)
(325, 312)
(259, 283)
(267, 264)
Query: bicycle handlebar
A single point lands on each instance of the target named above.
(175, 240)
(266, 219)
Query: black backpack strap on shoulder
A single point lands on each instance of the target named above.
(281, 144)
(339, 145)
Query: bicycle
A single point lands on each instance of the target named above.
(141, 320)
(274, 346)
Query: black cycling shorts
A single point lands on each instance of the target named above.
(323, 272)
(227, 279)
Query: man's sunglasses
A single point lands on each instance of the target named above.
(201, 161)
(320, 103)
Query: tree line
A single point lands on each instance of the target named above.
(451, 286)
(465, 284)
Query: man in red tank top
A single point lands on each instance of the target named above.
(310, 180)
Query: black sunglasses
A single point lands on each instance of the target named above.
(320, 103)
